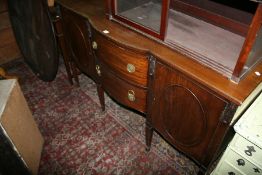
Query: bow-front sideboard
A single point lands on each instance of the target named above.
(189, 104)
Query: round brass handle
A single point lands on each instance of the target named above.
(131, 95)
(98, 71)
(130, 68)
(94, 45)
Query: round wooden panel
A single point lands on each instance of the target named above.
(184, 119)
(34, 34)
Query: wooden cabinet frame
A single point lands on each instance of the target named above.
(163, 23)
(255, 25)
(205, 84)
(196, 129)
(248, 29)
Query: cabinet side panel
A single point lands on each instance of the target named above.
(77, 35)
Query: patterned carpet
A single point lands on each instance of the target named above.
(81, 139)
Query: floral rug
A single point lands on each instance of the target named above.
(81, 139)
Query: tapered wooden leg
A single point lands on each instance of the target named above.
(149, 134)
(101, 96)
(64, 51)
(67, 63)
(69, 74)
(201, 171)
(75, 73)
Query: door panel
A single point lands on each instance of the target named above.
(77, 34)
(185, 113)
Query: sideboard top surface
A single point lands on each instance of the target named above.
(94, 11)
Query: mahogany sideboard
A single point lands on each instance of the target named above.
(189, 104)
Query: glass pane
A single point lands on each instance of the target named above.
(256, 53)
(144, 12)
(208, 40)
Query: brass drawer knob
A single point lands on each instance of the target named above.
(94, 45)
(131, 95)
(98, 71)
(130, 68)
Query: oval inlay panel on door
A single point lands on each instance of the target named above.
(176, 123)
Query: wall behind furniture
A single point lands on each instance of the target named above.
(8, 46)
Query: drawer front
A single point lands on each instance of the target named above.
(126, 63)
(124, 92)
(242, 164)
(226, 169)
(247, 149)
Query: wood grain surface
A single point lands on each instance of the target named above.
(94, 10)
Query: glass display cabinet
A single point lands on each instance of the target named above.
(149, 16)
(224, 35)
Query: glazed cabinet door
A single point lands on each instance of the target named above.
(78, 41)
(186, 114)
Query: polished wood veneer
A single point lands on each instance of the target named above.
(184, 112)
(75, 31)
(190, 105)
(119, 90)
(118, 57)
(211, 32)
(122, 71)
(94, 11)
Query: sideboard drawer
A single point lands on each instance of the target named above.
(247, 149)
(226, 168)
(128, 63)
(124, 92)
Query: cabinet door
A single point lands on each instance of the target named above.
(186, 114)
(77, 34)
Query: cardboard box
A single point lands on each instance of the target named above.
(19, 135)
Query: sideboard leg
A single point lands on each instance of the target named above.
(68, 71)
(149, 135)
(101, 96)
(201, 171)
(57, 22)
(75, 74)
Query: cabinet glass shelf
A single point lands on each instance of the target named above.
(221, 34)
